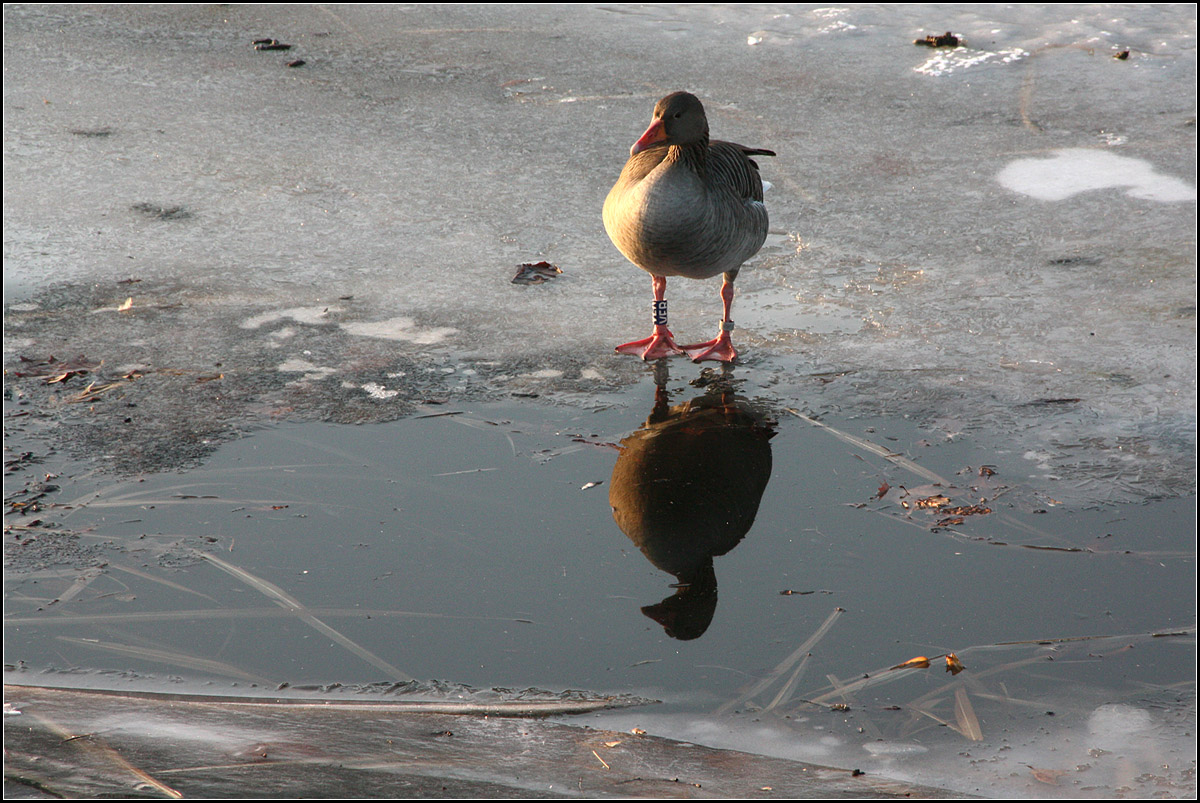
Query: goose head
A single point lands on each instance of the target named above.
(678, 120)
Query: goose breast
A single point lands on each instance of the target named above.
(671, 219)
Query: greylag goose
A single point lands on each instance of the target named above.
(685, 206)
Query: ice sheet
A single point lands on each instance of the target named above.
(1002, 246)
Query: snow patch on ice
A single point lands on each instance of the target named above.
(377, 391)
(309, 370)
(945, 62)
(399, 328)
(894, 748)
(1074, 170)
(310, 315)
(834, 25)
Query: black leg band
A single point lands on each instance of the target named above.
(660, 312)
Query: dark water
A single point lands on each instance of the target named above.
(479, 545)
(681, 550)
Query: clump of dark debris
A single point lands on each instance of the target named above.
(946, 39)
(159, 212)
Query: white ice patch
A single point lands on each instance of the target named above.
(309, 370)
(297, 314)
(834, 25)
(944, 62)
(400, 328)
(14, 344)
(894, 748)
(1116, 722)
(161, 728)
(1074, 170)
(376, 391)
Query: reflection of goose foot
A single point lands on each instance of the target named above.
(659, 344)
(719, 348)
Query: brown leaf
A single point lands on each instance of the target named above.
(535, 272)
(57, 370)
(883, 489)
(953, 665)
(920, 662)
(128, 305)
(1047, 776)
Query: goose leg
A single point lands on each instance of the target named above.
(720, 347)
(662, 342)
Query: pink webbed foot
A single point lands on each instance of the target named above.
(659, 344)
(719, 348)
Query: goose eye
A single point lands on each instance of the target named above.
(678, 115)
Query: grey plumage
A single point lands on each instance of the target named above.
(692, 209)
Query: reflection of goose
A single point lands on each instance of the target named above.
(686, 488)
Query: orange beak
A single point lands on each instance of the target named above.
(654, 134)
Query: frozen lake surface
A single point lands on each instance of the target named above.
(979, 257)
(962, 244)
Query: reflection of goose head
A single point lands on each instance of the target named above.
(686, 614)
(686, 488)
